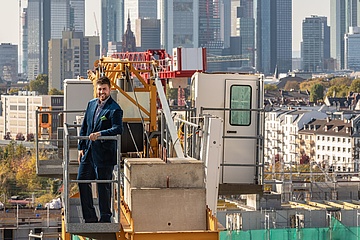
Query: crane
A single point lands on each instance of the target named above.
(97, 33)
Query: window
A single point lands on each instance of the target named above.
(240, 98)
(338, 139)
(333, 148)
(344, 149)
(333, 139)
(328, 148)
(323, 138)
(8, 234)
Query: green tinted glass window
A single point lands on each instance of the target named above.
(240, 99)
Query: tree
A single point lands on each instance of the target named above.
(339, 91)
(316, 93)
(26, 174)
(340, 81)
(355, 86)
(40, 84)
(13, 91)
(55, 91)
(270, 87)
(291, 85)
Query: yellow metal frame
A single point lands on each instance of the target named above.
(119, 69)
(128, 233)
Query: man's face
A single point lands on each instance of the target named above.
(103, 91)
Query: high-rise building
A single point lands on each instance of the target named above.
(71, 57)
(60, 17)
(209, 23)
(273, 35)
(77, 15)
(39, 33)
(343, 14)
(246, 30)
(263, 37)
(23, 45)
(147, 34)
(44, 20)
(179, 24)
(315, 44)
(283, 36)
(139, 9)
(352, 50)
(8, 62)
(112, 22)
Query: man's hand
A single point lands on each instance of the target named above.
(81, 153)
(94, 136)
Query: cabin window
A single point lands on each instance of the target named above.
(8, 234)
(240, 98)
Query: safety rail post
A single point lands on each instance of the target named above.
(66, 176)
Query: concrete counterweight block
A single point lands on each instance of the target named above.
(165, 196)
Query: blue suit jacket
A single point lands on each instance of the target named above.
(109, 123)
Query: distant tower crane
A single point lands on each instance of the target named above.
(96, 25)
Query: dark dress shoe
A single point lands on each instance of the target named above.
(105, 221)
(91, 220)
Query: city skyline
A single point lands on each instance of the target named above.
(9, 19)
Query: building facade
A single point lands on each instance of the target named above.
(45, 20)
(8, 62)
(352, 50)
(39, 33)
(71, 57)
(179, 24)
(139, 9)
(18, 112)
(315, 43)
(281, 134)
(273, 36)
(77, 15)
(112, 22)
(147, 34)
(343, 14)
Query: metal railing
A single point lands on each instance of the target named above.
(67, 181)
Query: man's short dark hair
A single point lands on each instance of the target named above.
(103, 80)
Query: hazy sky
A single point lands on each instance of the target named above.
(9, 18)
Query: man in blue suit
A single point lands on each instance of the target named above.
(103, 117)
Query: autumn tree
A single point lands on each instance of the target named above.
(316, 93)
(55, 91)
(355, 86)
(340, 81)
(338, 91)
(291, 85)
(40, 84)
(270, 87)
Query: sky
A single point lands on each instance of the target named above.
(9, 18)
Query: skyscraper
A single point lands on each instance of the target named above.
(246, 29)
(179, 24)
(273, 35)
(112, 22)
(77, 15)
(343, 14)
(8, 62)
(60, 17)
(44, 20)
(39, 32)
(209, 23)
(283, 36)
(315, 44)
(352, 50)
(139, 9)
(147, 34)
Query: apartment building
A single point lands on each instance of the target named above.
(329, 143)
(281, 133)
